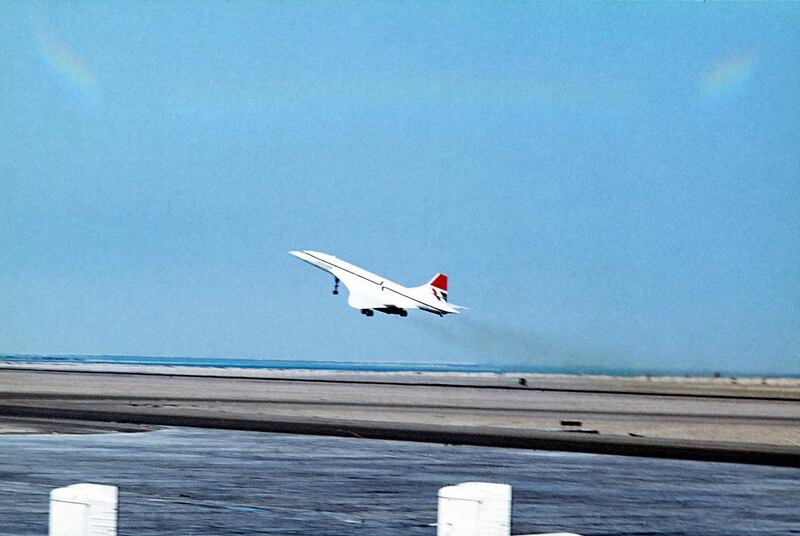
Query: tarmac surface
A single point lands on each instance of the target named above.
(748, 421)
(206, 482)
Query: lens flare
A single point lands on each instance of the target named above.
(729, 72)
(57, 53)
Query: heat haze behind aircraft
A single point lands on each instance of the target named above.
(370, 292)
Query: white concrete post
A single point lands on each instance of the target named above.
(474, 509)
(83, 510)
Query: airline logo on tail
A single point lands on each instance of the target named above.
(370, 292)
(439, 286)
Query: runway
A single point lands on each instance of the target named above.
(718, 421)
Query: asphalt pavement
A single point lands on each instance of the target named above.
(721, 421)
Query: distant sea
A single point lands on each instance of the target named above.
(280, 364)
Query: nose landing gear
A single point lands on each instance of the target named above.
(336, 286)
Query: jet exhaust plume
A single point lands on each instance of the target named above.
(504, 344)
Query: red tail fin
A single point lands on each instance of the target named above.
(439, 281)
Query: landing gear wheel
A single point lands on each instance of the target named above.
(367, 312)
(336, 286)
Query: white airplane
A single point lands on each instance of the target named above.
(370, 292)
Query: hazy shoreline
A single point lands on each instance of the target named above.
(376, 367)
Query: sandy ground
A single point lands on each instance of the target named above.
(753, 414)
(747, 386)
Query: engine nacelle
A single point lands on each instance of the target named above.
(392, 310)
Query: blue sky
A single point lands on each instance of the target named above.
(606, 185)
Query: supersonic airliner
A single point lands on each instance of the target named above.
(370, 292)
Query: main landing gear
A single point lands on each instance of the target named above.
(336, 286)
(367, 312)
